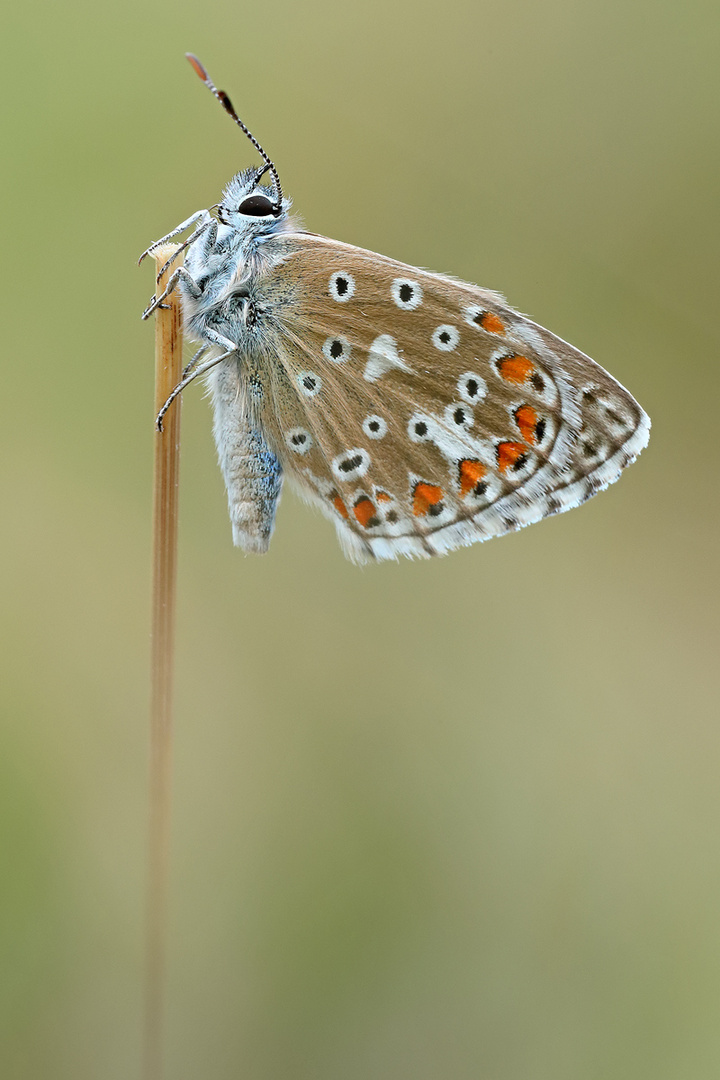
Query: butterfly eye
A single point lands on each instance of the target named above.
(257, 206)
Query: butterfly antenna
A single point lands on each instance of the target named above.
(227, 105)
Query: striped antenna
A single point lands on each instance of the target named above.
(227, 105)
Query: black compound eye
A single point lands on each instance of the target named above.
(256, 206)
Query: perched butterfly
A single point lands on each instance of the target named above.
(418, 412)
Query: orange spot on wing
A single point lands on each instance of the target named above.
(471, 473)
(492, 322)
(425, 497)
(340, 506)
(526, 419)
(509, 455)
(515, 369)
(364, 511)
(382, 496)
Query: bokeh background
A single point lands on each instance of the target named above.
(457, 819)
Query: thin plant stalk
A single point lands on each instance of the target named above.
(168, 368)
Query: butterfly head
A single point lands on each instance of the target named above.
(247, 205)
(245, 202)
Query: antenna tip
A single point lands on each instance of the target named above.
(199, 69)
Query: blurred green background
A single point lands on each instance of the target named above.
(451, 819)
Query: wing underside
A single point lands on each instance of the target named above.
(421, 413)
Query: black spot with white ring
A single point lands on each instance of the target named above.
(407, 294)
(342, 287)
(419, 428)
(337, 349)
(446, 337)
(471, 387)
(299, 440)
(375, 427)
(351, 464)
(310, 384)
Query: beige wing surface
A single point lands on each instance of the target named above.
(422, 413)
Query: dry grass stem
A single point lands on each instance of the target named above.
(168, 367)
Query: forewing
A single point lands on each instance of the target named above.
(422, 413)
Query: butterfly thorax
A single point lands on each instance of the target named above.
(228, 262)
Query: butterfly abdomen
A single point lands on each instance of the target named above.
(252, 471)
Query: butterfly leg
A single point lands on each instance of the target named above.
(188, 379)
(199, 215)
(181, 273)
(208, 227)
(189, 366)
(252, 471)
(219, 339)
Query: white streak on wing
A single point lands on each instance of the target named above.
(383, 356)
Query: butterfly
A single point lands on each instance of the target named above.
(418, 412)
